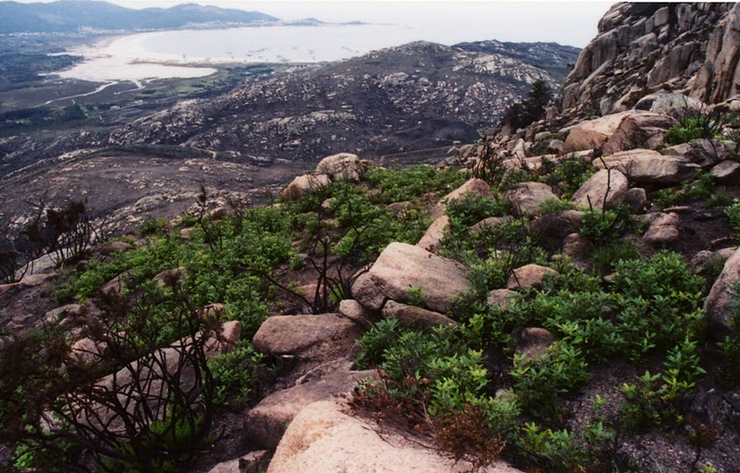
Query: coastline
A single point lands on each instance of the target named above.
(189, 53)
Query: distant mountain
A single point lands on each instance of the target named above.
(79, 15)
(412, 97)
(552, 57)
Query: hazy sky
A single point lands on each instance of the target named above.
(572, 23)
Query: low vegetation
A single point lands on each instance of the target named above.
(468, 385)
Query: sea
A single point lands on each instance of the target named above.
(197, 53)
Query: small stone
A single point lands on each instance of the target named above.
(503, 298)
(534, 342)
(528, 276)
(416, 317)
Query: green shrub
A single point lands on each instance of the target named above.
(702, 187)
(235, 373)
(656, 398)
(658, 302)
(540, 382)
(551, 206)
(568, 175)
(733, 213)
(606, 255)
(604, 226)
(695, 126)
(412, 183)
(568, 450)
(153, 227)
(471, 208)
(376, 341)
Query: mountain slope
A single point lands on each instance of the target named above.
(76, 15)
(693, 48)
(420, 95)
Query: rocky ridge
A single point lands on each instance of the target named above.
(631, 164)
(416, 96)
(643, 48)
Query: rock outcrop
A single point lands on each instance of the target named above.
(402, 267)
(323, 438)
(416, 96)
(719, 304)
(642, 48)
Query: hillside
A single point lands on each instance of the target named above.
(80, 15)
(559, 298)
(416, 96)
(413, 97)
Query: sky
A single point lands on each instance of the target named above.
(571, 23)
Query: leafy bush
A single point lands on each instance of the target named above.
(235, 374)
(694, 126)
(657, 398)
(658, 302)
(412, 183)
(602, 226)
(702, 187)
(568, 175)
(551, 206)
(471, 208)
(733, 213)
(539, 382)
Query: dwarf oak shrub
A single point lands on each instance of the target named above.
(412, 183)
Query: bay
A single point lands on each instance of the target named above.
(188, 53)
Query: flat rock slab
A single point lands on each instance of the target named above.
(649, 167)
(401, 267)
(265, 424)
(528, 276)
(642, 130)
(594, 133)
(292, 334)
(434, 234)
(415, 317)
(664, 229)
(720, 301)
(526, 197)
(605, 189)
(726, 171)
(323, 438)
(474, 186)
(305, 185)
(253, 462)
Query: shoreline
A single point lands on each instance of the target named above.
(190, 53)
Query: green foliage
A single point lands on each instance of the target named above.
(540, 381)
(567, 450)
(471, 208)
(604, 226)
(695, 126)
(412, 183)
(235, 373)
(492, 252)
(568, 175)
(702, 187)
(414, 296)
(526, 112)
(153, 227)
(606, 255)
(658, 302)
(657, 398)
(733, 213)
(376, 341)
(551, 206)
(369, 227)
